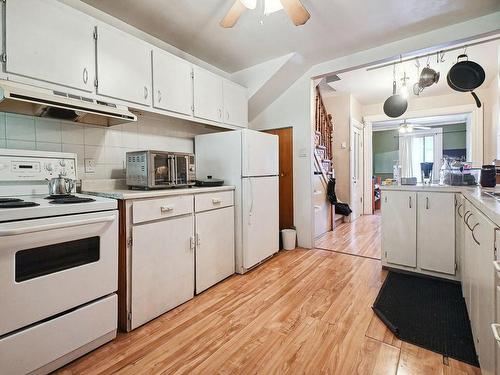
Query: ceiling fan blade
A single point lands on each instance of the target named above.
(296, 11)
(233, 15)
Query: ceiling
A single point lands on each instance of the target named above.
(336, 28)
(371, 87)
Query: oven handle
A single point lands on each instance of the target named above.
(41, 228)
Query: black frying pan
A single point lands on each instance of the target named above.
(466, 76)
(395, 105)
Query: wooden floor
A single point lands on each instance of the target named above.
(361, 237)
(302, 312)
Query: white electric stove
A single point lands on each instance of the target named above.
(58, 265)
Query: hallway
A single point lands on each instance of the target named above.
(361, 238)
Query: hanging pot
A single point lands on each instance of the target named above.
(395, 105)
(466, 76)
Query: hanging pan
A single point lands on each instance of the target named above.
(466, 76)
(395, 105)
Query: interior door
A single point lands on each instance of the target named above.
(356, 172)
(123, 66)
(49, 41)
(260, 154)
(214, 247)
(399, 227)
(208, 96)
(162, 267)
(260, 219)
(436, 230)
(172, 83)
(285, 145)
(235, 104)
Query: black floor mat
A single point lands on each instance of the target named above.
(428, 313)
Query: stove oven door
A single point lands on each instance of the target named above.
(52, 265)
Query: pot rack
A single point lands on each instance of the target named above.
(440, 53)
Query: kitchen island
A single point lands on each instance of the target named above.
(449, 232)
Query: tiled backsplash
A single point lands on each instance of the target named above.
(107, 146)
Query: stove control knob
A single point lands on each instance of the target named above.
(49, 167)
(62, 163)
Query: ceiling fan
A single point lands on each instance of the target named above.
(293, 8)
(405, 127)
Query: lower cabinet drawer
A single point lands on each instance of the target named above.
(160, 208)
(210, 201)
(40, 345)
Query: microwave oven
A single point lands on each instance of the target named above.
(160, 169)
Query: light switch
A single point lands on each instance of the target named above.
(343, 145)
(89, 165)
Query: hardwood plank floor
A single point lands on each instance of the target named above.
(302, 312)
(361, 237)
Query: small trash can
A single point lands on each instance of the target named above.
(289, 238)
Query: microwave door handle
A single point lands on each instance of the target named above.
(172, 169)
(45, 227)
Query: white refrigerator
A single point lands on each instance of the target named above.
(248, 160)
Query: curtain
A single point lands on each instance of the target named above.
(405, 156)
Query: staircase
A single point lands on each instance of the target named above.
(323, 160)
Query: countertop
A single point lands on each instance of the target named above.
(117, 190)
(474, 194)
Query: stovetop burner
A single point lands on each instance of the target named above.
(10, 200)
(72, 199)
(18, 204)
(60, 196)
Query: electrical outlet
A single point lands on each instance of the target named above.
(89, 165)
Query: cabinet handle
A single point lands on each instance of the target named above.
(85, 75)
(458, 209)
(496, 264)
(146, 92)
(494, 328)
(166, 208)
(220, 113)
(467, 220)
(216, 201)
(227, 115)
(465, 214)
(159, 96)
(409, 201)
(474, 237)
(426, 203)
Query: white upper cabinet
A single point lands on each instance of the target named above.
(172, 83)
(208, 96)
(49, 41)
(235, 104)
(123, 66)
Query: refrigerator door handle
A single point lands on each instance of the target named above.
(250, 212)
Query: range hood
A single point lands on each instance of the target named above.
(33, 101)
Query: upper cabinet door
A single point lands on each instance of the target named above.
(235, 104)
(172, 83)
(207, 95)
(123, 66)
(50, 41)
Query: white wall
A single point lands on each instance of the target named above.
(294, 108)
(106, 145)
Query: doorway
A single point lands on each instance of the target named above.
(285, 136)
(356, 170)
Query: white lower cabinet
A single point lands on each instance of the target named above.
(162, 267)
(436, 232)
(214, 247)
(478, 282)
(399, 223)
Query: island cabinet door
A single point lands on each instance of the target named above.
(436, 232)
(399, 225)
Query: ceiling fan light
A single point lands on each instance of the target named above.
(250, 4)
(271, 6)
